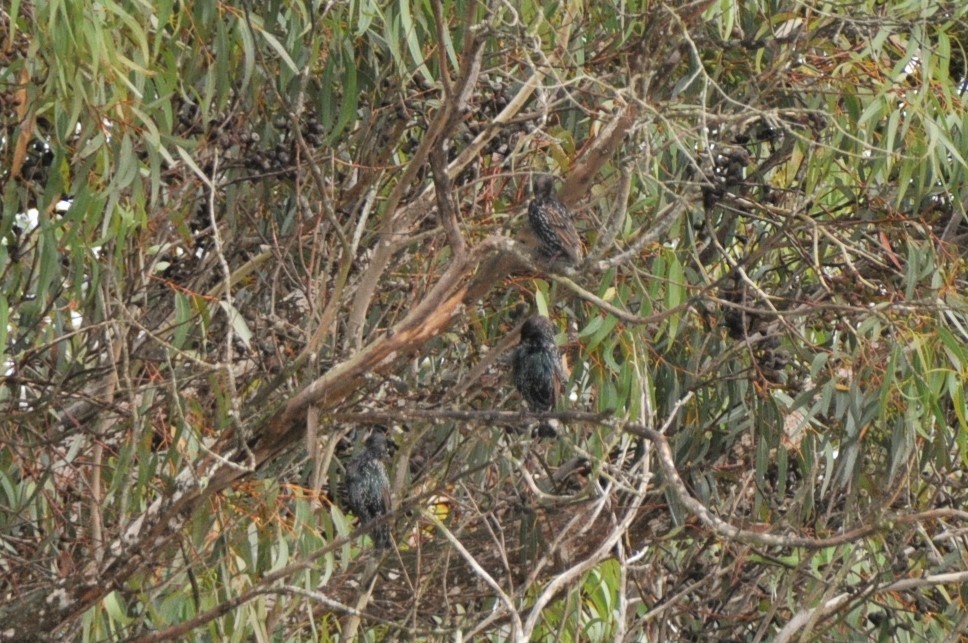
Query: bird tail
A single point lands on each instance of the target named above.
(381, 537)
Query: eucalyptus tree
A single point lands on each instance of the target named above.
(236, 237)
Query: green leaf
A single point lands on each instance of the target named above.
(349, 98)
(541, 300)
(248, 54)
(675, 292)
(187, 158)
(279, 49)
(238, 322)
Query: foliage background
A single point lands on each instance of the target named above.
(236, 236)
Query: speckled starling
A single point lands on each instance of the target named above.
(538, 372)
(368, 487)
(551, 222)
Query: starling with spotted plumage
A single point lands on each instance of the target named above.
(550, 220)
(368, 487)
(538, 372)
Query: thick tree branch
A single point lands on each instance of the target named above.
(394, 221)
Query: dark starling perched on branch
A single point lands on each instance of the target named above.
(538, 372)
(368, 488)
(551, 222)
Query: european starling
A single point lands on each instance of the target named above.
(538, 372)
(368, 488)
(551, 222)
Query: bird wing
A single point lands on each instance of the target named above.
(564, 230)
(352, 489)
(558, 378)
(384, 487)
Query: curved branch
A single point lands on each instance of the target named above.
(807, 615)
(671, 473)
